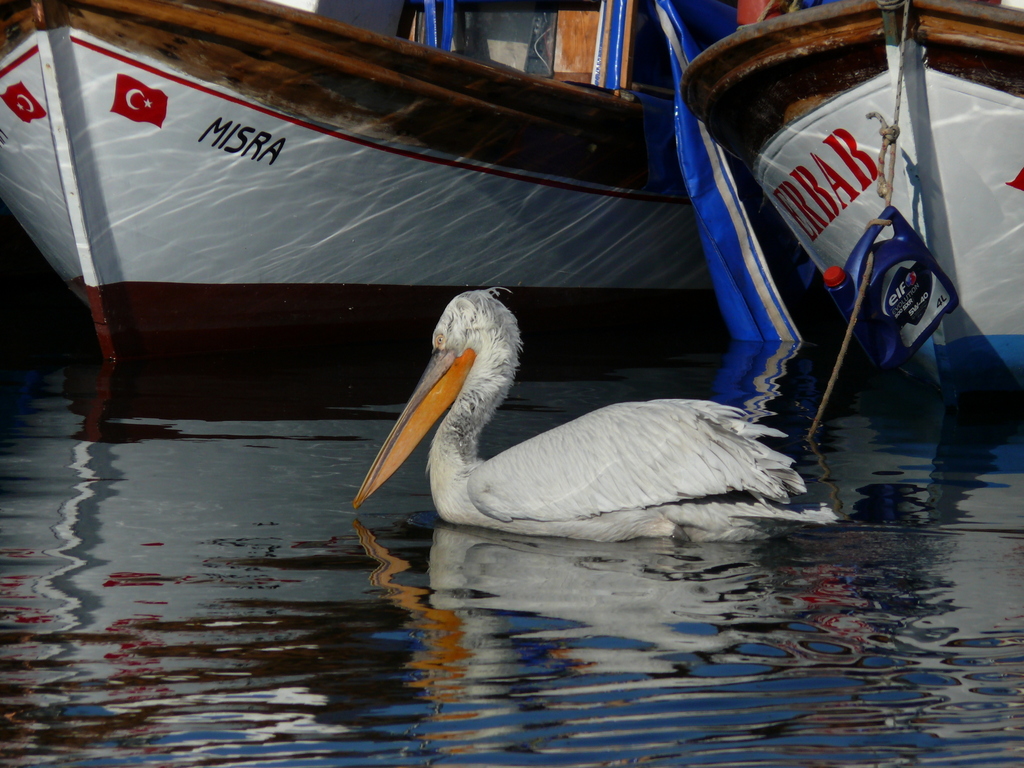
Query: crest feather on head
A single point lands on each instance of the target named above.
(478, 319)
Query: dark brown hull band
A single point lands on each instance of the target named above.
(163, 319)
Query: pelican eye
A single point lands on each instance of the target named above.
(439, 341)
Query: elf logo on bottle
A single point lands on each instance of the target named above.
(901, 288)
(907, 297)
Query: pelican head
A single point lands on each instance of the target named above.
(475, 355)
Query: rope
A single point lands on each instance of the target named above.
(886, 172)
(890, 133)
(887, 155)
(869, 264)
(782, 7)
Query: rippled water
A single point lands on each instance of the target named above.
(183, 581)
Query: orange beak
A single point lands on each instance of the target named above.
(439, 385)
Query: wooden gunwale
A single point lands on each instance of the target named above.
(258, 34)
(410, 52)
(773, 49)
(348, 48)
(377, 87)
(15, 27)
(772, 42)
(973, 25)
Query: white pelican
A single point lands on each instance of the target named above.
(687, 468)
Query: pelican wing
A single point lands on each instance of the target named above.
(632, 456)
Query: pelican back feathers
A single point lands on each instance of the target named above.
(632, 456)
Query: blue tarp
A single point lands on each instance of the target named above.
(751, 304)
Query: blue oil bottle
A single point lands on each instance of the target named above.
(907, 296)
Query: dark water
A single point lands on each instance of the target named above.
(183, 581)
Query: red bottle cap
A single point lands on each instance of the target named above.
(834, 276)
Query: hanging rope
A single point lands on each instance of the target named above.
(781, 7)
(869, 264)
(887, 155)
(886, 172)
(890, 133)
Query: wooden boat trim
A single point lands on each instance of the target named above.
(254, 34)
(211, 16)
(17, 26)
(949, 28)
(405, 94)
(976, 42)
(262, 34)
(772, 42)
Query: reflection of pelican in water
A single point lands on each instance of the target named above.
(500, 603)
(611, 608)
(666, 467)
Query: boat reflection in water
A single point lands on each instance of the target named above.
(184, 583)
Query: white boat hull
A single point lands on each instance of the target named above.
(954, 183)
(813, 143)
(192, 216)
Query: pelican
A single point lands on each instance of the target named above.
(687, 468)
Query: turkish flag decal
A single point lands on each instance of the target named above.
(138, 102)
(23, 103)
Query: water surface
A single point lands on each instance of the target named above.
(183, 581)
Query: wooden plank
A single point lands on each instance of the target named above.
(16, 24)
(574, 44)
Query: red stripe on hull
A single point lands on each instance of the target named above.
(677, 199)
(161, 319)
(20, 60)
